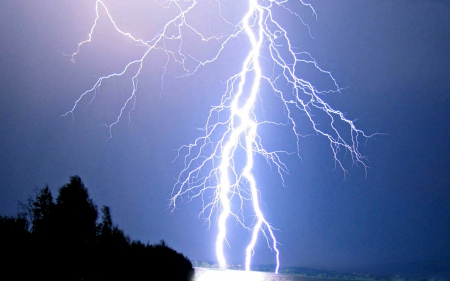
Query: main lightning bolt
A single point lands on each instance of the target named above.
(213, 164)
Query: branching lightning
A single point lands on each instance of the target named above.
(213, 163)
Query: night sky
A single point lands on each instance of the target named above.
(392, 58)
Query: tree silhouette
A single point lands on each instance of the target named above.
(110, 235)
(42, 213)
(106, 224)
(76, 214)
(75, 218)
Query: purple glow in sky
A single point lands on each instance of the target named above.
(388, 57)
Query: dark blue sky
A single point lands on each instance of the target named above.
(392, 57)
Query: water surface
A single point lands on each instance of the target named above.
(210, 274)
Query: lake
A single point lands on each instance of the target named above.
(209, 274)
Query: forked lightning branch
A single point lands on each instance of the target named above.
(220, 162)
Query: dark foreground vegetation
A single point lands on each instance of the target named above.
(62, 240)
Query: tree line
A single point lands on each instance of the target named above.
(62, 240)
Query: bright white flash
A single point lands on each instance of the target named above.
(221, 161)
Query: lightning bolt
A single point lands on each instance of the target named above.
(218, 165)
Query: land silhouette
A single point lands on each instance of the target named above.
(62, 240)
